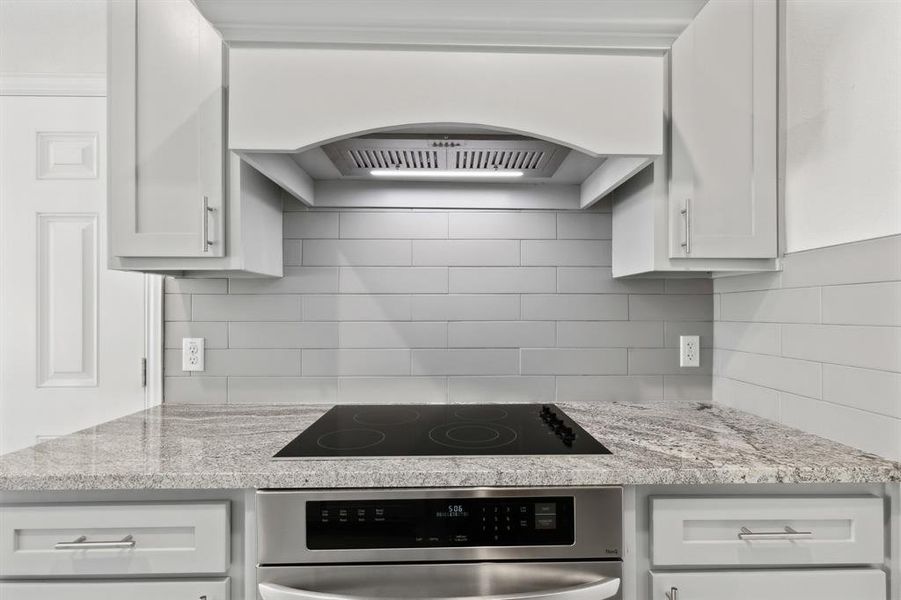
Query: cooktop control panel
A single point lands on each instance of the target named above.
(439, 522)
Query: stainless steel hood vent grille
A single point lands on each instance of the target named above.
(389, 159)
(498, 159)
(358, 156)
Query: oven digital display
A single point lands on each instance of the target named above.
(431, 523)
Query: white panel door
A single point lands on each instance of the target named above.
(166, 94)
(723, 179)
(71, 332)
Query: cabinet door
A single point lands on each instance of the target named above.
(210, 589)
(724, 150)
(835, 584)
(166, 130)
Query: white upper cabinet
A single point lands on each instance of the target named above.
(290, 99)
(710, 205)
(166, 114)
(723, 181)
(178, 202)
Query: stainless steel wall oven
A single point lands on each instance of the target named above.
(461, 544)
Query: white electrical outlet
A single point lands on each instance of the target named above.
(192, 354)
(689, 351)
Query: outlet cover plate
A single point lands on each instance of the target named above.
(689, 351)
(192, 354)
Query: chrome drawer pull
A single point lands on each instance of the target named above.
(82, 543)
(673, 594)
(788, 534)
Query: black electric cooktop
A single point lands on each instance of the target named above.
(442, 430)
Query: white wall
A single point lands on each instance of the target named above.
(843, 154)
(53, 38)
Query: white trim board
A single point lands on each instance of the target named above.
(52, 84)
(153, 339)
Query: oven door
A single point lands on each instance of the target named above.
(444, 581)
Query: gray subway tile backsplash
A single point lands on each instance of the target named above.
(610, 334)
(255, 334)
(501, 334)
(372, 253)
(584, 226)
(180, 285)
(466, 253)
(305, 225)
(502, 225)
(297, 280)
(261, 307)
(599, 280)
(575, 307)
(354, 362)
(502, 280)
(177, 307)
(574, 361)
(393, 280)
(356, 307)
(214, 334)
(196, 390)
(671, 307)
(863, 304)
(468, 361)
(393, 225)
(566, 253)
(818, 345)
(437, 306)
(466, 307)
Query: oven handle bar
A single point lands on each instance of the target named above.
(602, 589)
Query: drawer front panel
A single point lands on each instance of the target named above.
(211, 589)
(755, 531)
(834, 584)
(113, 539)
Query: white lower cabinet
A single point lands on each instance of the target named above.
(801, 584)
(206, 589)
(749, 531)
(114, 539)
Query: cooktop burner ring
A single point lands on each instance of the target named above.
(481, 413)
(360, 439)
(503, 435)
(392, 416)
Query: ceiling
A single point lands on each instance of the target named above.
(576, 24)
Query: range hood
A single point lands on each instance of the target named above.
(437, 156)
(430, 128)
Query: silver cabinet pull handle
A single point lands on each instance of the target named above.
(787, 534)
(82, 543)
(205, 224)
(686, 218)
(673, 594)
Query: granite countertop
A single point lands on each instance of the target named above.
(229, 446)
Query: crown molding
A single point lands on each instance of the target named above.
(52, 84)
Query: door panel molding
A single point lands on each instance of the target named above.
(67, 293)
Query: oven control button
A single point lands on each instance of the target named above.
(545, 508)
(545, 522)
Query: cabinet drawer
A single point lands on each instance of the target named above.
(834, 584)
(211, 589)
(113, 539)
(750, 531)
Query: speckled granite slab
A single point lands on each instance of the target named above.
(229, 446)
